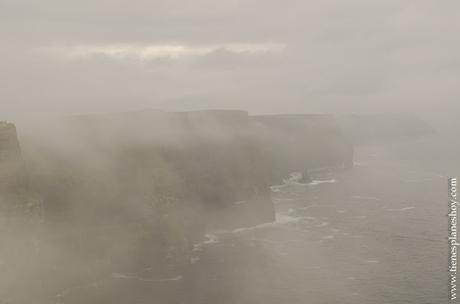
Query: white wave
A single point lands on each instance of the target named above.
(285, 219)
(294, 180)
(134, 277)
(283, 199)
(293, 177)
(289, 183)
(66, 291)
(402, 209)
(211, 239)
(301, 184)
(281, 219)
(323, 224)
(328, 237)
(243, 229)
(371, 198)
(277, 188)
(194, 260)
(308, 207)
(326, 181)
(407, 208)
(372, 261)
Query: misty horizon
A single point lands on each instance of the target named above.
(229, 152)
(264, 57)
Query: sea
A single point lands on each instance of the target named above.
(374, 234)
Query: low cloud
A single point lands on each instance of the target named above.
(148, 52)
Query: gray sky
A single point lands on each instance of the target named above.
(266, 56)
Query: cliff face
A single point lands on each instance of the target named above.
(213, 165)
(137, 190)
(127, 192)
(302, 142)
(10, 157)
(131, 193)
(221, 165)
(9, 144)
(206, 160)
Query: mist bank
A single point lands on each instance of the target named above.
(299, 142)
(383, 128)
(134, 193)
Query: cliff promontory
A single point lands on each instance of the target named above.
(133, 193)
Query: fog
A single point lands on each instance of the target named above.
(301, 57)
(234, 152)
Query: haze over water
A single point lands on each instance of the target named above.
(375, 234)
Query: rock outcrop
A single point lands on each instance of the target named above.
(9, 144)
(12, 174)
(10, 156)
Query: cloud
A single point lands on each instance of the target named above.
(157, 51)
(266, 56)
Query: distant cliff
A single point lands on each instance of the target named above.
(10, 158)
(9, 144)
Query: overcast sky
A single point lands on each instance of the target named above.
(266, 56)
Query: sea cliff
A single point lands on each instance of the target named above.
(112, 198)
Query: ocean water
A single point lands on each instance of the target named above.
(373, 234)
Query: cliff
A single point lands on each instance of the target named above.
(205, 159)
(9, 144)
(133, 192)
(11, 169)
(216, 166)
